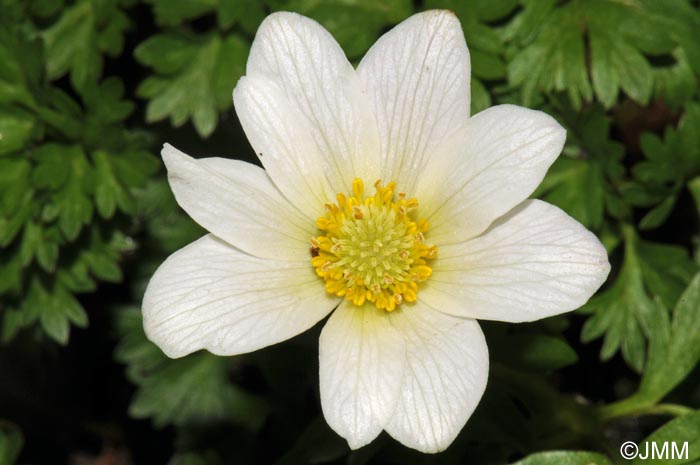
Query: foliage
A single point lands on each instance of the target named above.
(68, 171)
(10, 442)
(89, 89)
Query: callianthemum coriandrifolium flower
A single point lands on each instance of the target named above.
(383, 202)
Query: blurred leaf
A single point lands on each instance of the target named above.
(565, 458)
(317, 444)
(658, 215)
(65, 169)
(577, 187)
(105, 101)
(342, 19)
(10, 272)
(173, 12)
(167, 224)
(229, 12)
(541, 352)
(616, 61)
(677, 432)
(680, 21)
(76, 41)
(625, 313)
(577, 182)
(16, 128)
(11, 442)
(674, 82)
(555, 59)
(21, 66)
(194, 77)
(15, 192)
(533, 347)
(481, 99)
(46, 8)
(553, 45)
(102, 252)
(55, 309)
(694, 188)
(190, 390)
(485, 44)
(111, 190)
(669, 163)
(675, 348)
(192, 458)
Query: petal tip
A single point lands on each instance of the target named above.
(169, 154)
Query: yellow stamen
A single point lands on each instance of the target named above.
(370, 249)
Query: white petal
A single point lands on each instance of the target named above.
(237, 202)
(324, 94)
(495, 163)
(283, 142)
(446, 373)
(362, 361)
(212, 296)
(417, 77)
(534, 262)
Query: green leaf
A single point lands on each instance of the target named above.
(529, 350)
(680, 21)
(40, 243)
(669, 163)
(72, 181)
(694, 188)
(192, 458)
(617, 64)
(675, 157)
(190, 390)
(685, 429)
(46, 8)
(485, 44)
(21, 65)
(11, 442)
(578, 181)
(14, 184)
(553, 46)
(555, 60)
(316, 444)
(229, 12)
(542, 353)
(166, 224)
(341, 19)
(16, 127)
(565, 458)
(195, 77)
(481, 99)
(667, 270)
(10, 271)
(174, 12)
(109, 191)
(658, 215)
(577, 187)
(103, 252)
(76, 41)
(674, 82)
(625, 313)
(56, 309)
(675, 348)
(105, 103)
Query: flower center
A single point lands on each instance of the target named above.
(371, 249)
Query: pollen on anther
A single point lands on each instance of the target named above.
(370, 248)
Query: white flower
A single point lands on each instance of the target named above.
(402, 351)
